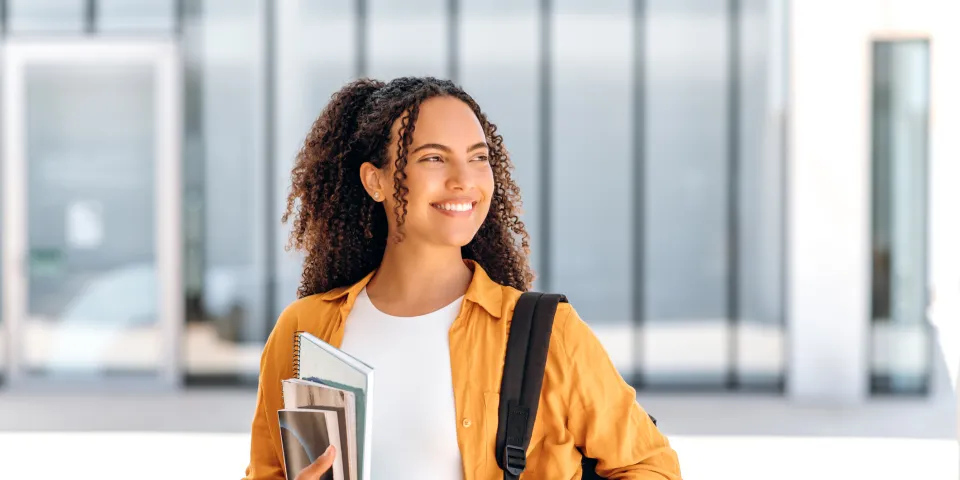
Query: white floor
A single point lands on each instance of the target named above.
(125, 455)
(204, 435)
(197, 434)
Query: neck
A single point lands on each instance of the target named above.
(417, 279)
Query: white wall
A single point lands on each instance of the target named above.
(828, 194)
(828, 175)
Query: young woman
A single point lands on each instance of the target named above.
(404, 206)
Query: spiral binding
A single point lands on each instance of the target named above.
(296, 353)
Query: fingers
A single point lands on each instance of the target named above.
(319, 466)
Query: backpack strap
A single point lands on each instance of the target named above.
(526, 358)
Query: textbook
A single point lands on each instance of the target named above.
(304, 394)
(329, 373)
(305, 434)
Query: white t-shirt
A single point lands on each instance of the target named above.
(415, 422)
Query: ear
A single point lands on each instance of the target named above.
(370, 177)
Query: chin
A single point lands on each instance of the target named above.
(457, 240)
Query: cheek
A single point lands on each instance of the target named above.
(487, 185)
(420, 188)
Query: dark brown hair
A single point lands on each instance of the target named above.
(342, 231)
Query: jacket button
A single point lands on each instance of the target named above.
(467, 423)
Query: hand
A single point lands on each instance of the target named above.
(319, 466)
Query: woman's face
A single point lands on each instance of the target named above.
(448, 175)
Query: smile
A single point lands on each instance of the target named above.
(455, 209)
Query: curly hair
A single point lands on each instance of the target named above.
(342, 231)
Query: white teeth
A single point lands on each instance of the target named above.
(455, 207)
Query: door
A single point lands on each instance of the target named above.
(91, 197)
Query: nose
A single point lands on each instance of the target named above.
(459, 177)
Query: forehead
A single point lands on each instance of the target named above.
(447, 121)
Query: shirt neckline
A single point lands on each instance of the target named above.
(450, 306)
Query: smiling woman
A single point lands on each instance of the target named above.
(453, 179)
(347, 161)
(404, 206)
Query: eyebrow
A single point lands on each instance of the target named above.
(447, 149)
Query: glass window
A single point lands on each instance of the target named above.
(91, 251)
(316, 55)
(762, 109)
(228, 318)
(902, 349)
(136, 15)
(591, 167)
(407, 38)
(686, 274)
(46, 16)
(499, 66)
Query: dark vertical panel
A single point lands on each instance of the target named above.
(3, 16)
(178, 16)
(90, 17)
(190, 21)
(361, 37)
(639, 179)
(453, 40)
(269, 147)
(546, 187)
(733, 190)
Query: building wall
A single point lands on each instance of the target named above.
(829, 172)
(696, 174)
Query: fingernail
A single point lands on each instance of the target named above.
(328, 450)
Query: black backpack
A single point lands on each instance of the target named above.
(526, 358)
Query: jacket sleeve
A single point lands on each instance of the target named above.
(606, 420)
(264, 462)
(276, 363)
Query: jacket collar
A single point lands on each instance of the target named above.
(482, 290)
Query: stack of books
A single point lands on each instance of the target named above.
(328, 402)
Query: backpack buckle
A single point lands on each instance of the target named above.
(514, 459)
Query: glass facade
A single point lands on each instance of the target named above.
(647, 139)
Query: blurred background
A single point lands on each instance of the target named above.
(753, 203)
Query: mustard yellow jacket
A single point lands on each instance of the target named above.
(584, 402)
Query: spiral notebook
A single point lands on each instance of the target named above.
(319, 362)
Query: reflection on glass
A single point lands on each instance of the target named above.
(45, 16)
(901, 354)
(91, 266)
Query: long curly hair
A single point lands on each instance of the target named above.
(342, 231)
